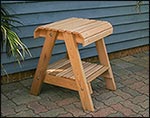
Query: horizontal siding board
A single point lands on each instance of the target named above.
(127, 44)
(35, 53)
(28, 64)
(90, 52)
(135, 18)
(131, 29)
(124, 19)
(34, 19)
(13, 2)
(54, 6)
(33, 43)
(126, 36)
(26, 32)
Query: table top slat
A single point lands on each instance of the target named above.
(95, 30)
(58, 22)
(87, 27)
(61, 26)
(77, 24)
(83, 29)
(97, 37)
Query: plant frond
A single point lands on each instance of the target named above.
(14, 46)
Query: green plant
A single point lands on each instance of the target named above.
(138, 6)
(14, 46)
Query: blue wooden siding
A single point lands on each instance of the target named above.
(131, 29)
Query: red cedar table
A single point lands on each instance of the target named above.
(71, 72)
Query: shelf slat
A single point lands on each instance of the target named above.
(71, 75)
(53, 65)
(63, 69)
(97, 73)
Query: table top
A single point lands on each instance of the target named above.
(86, 30)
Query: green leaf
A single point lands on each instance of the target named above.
(14, 46)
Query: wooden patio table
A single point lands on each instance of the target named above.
(71, 72)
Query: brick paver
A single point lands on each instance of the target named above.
(48, 104)
(139, 99)
(137, 85)
(53, 113)
(26, 113)
(122, 109)
(74, 110)
(113, 100)
(36, 107)
(20, 108)
(131, 99)
(145, 104)
(130, 91)
(124, 95)
(65, 115)
(104, 112)
(66, 101)
(136, 108)
(116, 114)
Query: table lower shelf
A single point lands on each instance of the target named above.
(62, 68)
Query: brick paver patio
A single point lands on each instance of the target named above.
(130, 99)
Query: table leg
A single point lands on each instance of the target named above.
(104, 60)
(78, 71)
(43, 62)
